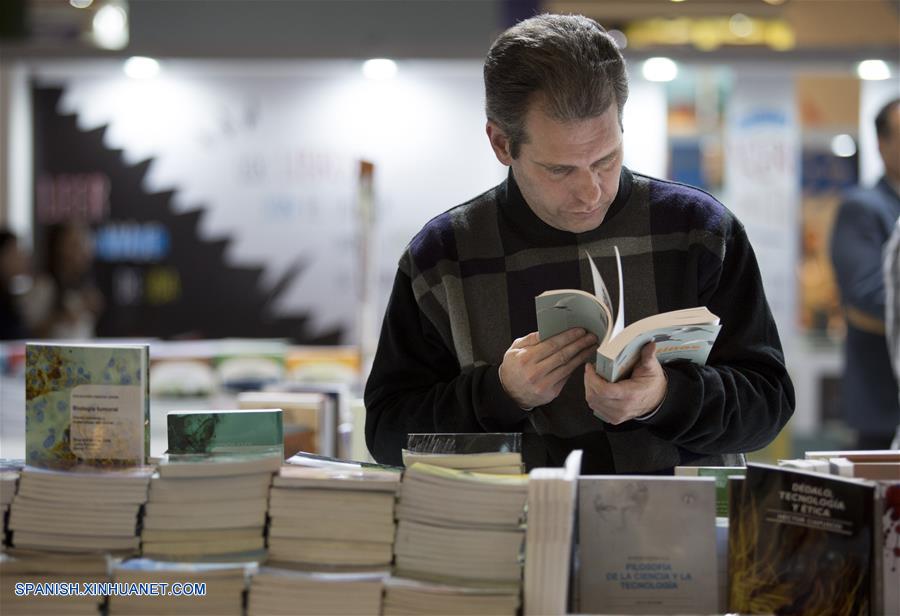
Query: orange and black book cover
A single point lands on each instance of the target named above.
(801, 543)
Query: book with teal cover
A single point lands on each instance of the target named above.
(86, 404)
(226, 431)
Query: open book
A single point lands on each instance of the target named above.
(686, 334)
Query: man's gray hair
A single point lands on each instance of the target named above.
(568, 60)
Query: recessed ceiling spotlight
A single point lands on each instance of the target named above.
(873, 70)
(843, 146)
(139, 67)
(740, 25)
(659, 69)
(379, 69)
(110, 26)
(81, 4)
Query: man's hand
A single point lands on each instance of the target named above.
(637, 395)
(534, 372)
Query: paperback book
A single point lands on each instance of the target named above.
(680, 335)
(802, 543)
(490, 452)
(231, 431)
(86, 404)
(552, 500)
(647, 545)
(275, 591)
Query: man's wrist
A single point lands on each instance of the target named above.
(650, 414)
(506, 391)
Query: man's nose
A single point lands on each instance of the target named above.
(587, 188)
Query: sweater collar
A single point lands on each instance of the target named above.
(517, 211)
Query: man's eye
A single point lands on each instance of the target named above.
(559, 170)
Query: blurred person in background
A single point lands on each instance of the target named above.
(14, 270)
(869, 398)
(64, 303)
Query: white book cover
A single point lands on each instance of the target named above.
(647, 545)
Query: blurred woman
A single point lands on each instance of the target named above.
(13, 270)
(64, 302)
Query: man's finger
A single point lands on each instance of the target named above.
(581, 356)
(572, 350)
(555, 343)
(526, 341)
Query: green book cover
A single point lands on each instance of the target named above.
(227, 431)
(86, 403)
(721, 475)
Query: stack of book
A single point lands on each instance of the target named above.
(552, 498)
(876, 464)
(497, 453)
(61, 573)
(80, 510)
(9, 479)
(461, 528)
(208, 507)
(275, 592)
(179, 588)
(334, 517)
(405, 597)
(500, 463)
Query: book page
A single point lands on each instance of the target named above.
(619, 325)
(600, 290)
(602, 293)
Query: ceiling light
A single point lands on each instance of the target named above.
(843, 146)
(873, 70)
(740, 25)
(659, 69)
(379, 69)
(81, 4)
(139, 67)
(110, 26)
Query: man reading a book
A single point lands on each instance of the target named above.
(459, 350)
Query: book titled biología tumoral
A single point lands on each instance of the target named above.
(686, 334)
(86, 403)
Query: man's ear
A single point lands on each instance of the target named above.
(499, 143)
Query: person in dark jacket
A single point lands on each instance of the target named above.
(459, 351)
(862, 227)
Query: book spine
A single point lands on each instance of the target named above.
(145, 377)
(604, 367)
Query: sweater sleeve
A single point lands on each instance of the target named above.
(416, 384)
(742, 398)
(856, 246)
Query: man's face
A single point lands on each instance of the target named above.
(889, 146)
(568, 172)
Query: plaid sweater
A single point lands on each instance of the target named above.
(465, 289)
